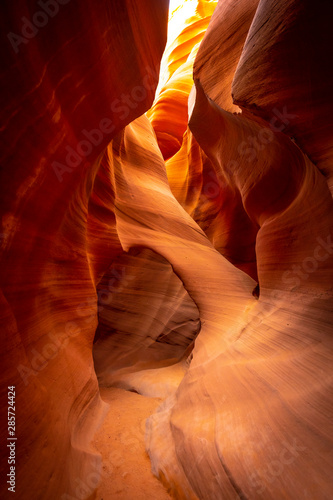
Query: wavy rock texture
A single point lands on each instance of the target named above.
(197, 252)
(218, 420)
(62, 102)
(247, 414)
(205, 194)
(219, 55)
(146, 320)
(255, 392)
(288, 50)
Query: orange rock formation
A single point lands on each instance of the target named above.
(185, 254)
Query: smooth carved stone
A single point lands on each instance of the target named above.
(252, 389)
(146, 319)
(221, 49)
(67, 87)
(205, 193)
(124, 234)
(285, 75)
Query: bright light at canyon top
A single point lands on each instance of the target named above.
(186, 7)
(174, 4)
(181, 15)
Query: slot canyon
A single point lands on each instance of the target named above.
(166, 250)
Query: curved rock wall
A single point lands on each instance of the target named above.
(190, 249)
(288, 51)
(73, 74)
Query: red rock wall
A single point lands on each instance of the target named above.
(290, 45)
(77, 75)
(152, 227)
(250, 416)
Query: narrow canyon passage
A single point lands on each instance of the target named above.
(166, 250)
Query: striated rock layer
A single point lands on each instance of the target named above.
(253, 414)
(184, 254)
(288, 51)
(68, 87)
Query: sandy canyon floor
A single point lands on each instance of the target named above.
(126, 473)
